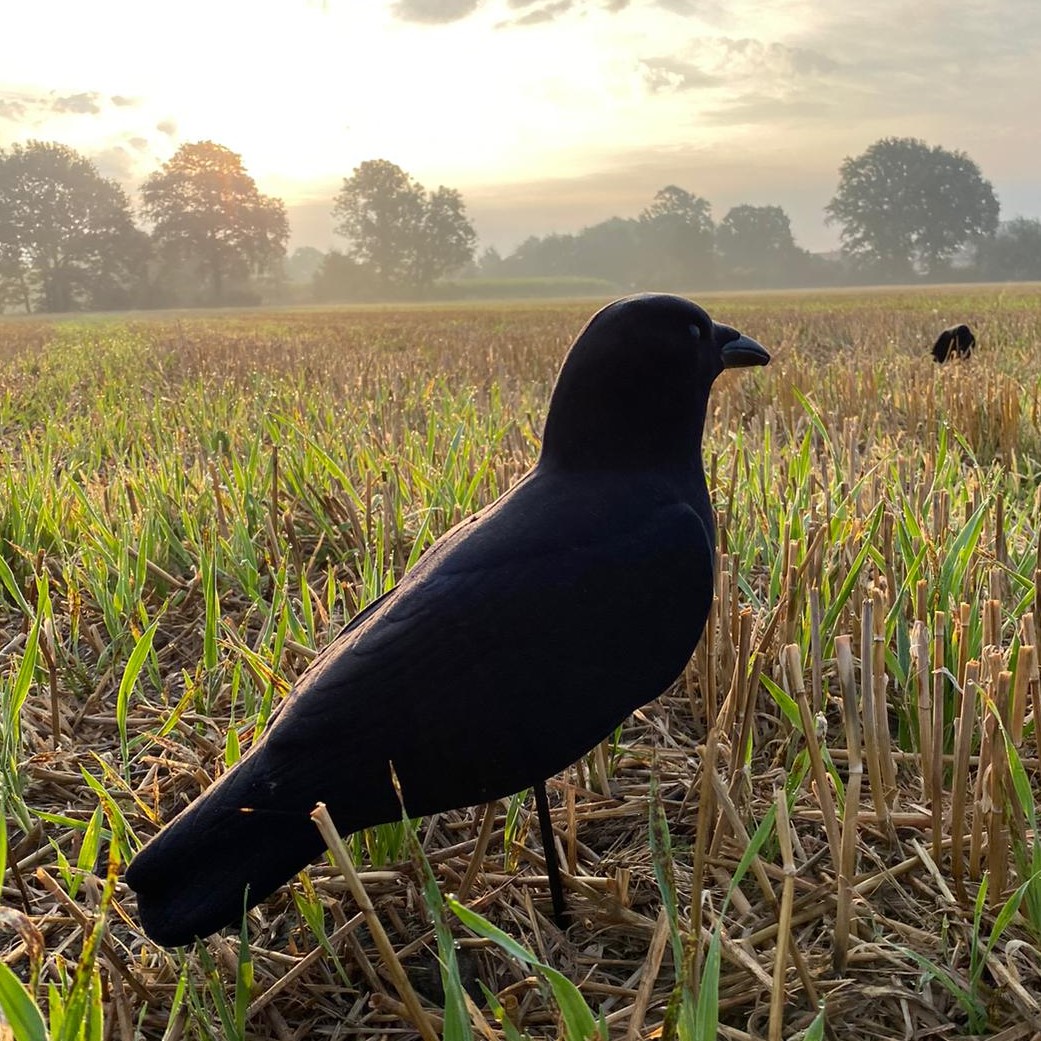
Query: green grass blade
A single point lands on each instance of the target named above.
(173, 1025)
(958, 558)
(853, 575)
(706, 1009)
(815, 1031)
(457, 1019)
(664, 873)
(243, 979)
(579, 1021)
(212, 602)
(19, 1009)
(784, 702)
(510, 1032)
(3, 834)
(20, 689)
(973, 1006)
(10, 583)
(133, 668)
(89, 848)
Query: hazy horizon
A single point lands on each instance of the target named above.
(548, 115)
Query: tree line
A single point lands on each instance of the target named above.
(69, 241)
(204, 235)
(906, 212)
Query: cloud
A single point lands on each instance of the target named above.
(730, 60)
(671, 74)
(12, 108)
(441, 12)
(834, 73)
(34, 107)
(745, 81)
(433, 12)
(140, 144)
(544, 13)
(168, 127)
(547, 10)
(928, 67)
(115, 163)
(776, 60)
(78, 104)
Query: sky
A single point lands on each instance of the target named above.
(548, 115)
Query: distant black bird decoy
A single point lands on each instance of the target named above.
(957, 341)
(521, 638)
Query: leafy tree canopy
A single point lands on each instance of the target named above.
(670, 245)
(447, 239)
(404, 235)
(1013, 253)
(747, 234)
(303, 264)
(756, 246)
(67, 239)
(676, 207)
(904, 204)
(676, 247)
(207, 214)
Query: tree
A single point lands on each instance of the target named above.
(303, 264)
(756, 245)
(610, 250)
(1013, 253)
(406, 237)
(208, 216)
(67, 238)
(447, 240)
(489, 264)
(676, 237)
(752, 238)
(537, 258)
(340, 277)
(674, 205)
(18, 285)
(903, 205)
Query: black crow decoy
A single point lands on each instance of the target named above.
(521, 638)
(956, 342)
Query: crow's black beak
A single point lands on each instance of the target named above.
(740, 351)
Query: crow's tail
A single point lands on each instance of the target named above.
(192, 878)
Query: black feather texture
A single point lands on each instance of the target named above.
(522, 637)
(955, 342)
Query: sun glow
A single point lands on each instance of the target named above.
(590, 106)
(307, 93)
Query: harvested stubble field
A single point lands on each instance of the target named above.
(191, 505)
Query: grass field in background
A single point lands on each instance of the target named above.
(192, 504)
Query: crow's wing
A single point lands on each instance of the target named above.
(519, 643)
(522, 638)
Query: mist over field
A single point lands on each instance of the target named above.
(69, 238)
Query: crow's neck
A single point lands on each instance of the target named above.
(584, 435)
